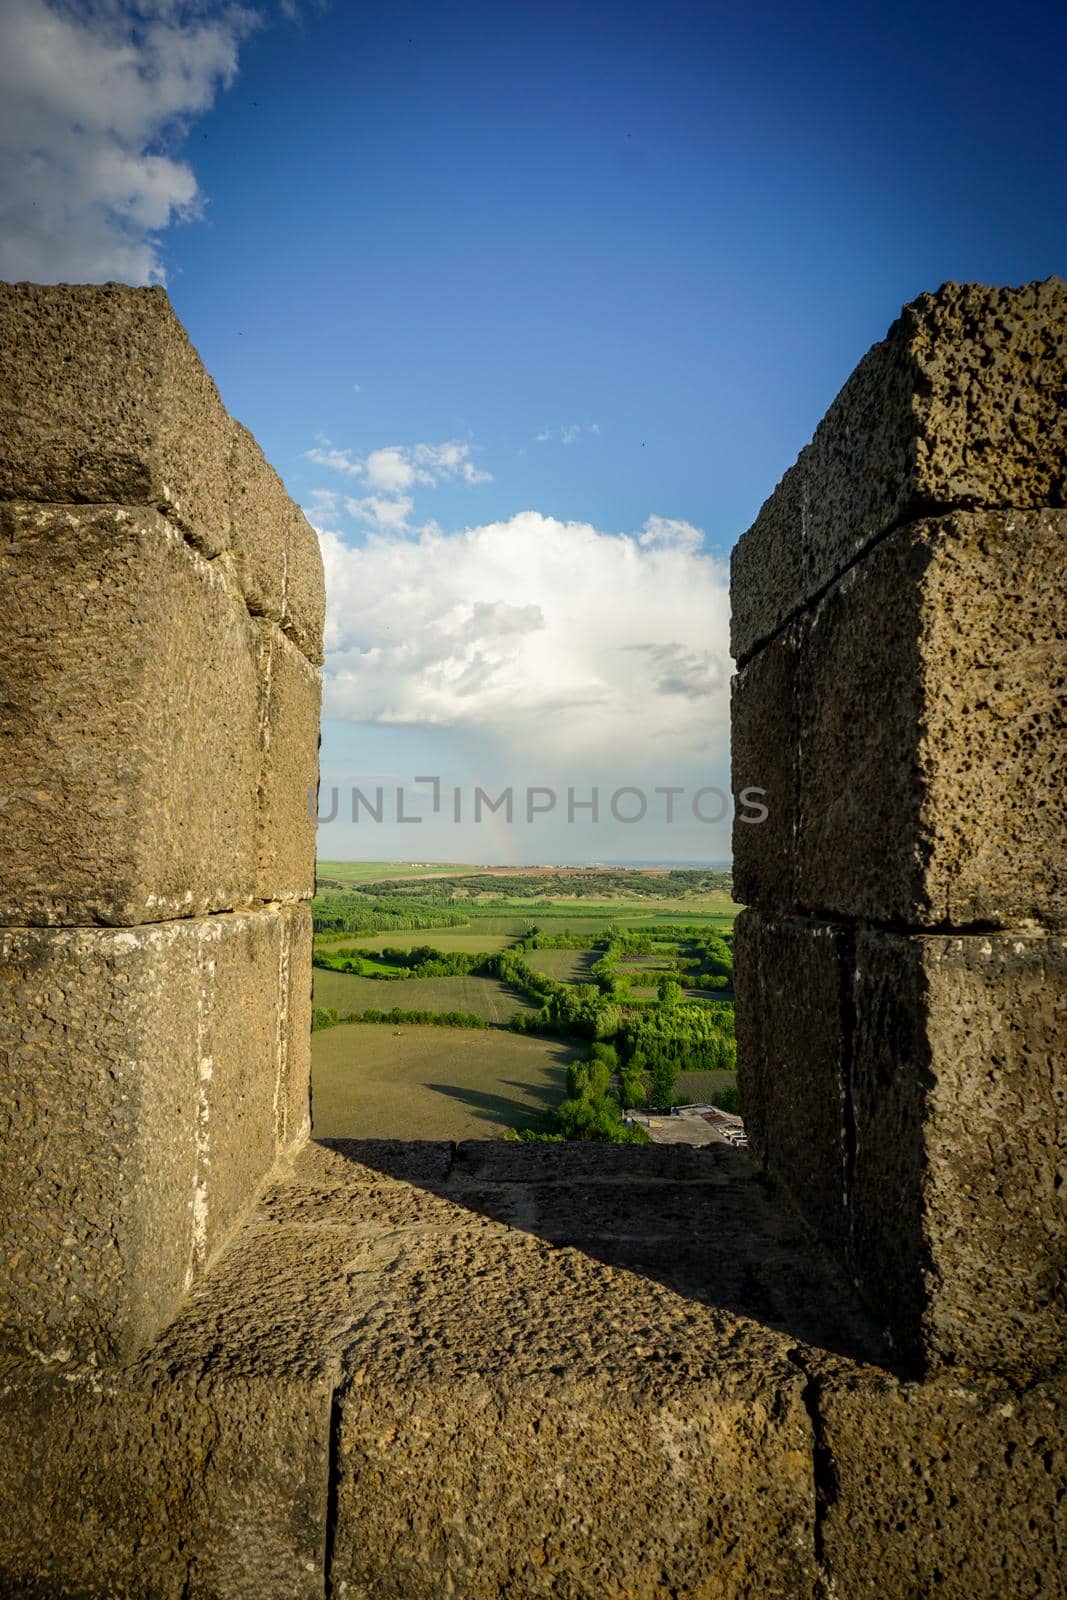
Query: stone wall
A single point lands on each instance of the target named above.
(898, 622)
(236, 1364)
(159, 695)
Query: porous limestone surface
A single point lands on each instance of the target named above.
(147, 1086)
(393, 1384)
(764, 750)
(963, 405)
(908, 732)
(290, 697)
(932, 769)
(162, 743)
(793, 1047)
(907, 1091)
(103, 398)
(959, 1095)
(130, 714)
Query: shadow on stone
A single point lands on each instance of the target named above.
(700, 1221)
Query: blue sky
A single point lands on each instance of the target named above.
(531, 305)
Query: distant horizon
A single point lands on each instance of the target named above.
(523, 866)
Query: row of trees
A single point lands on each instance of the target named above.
(579, 884)
(359, 913)
(329, 1017)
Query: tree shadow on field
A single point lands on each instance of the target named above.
(496, 1108)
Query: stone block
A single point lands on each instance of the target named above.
(139, 1092)
(290, 695)
(932, 769)
(293, 1123)
(962, 405)
(526, 1422)
(765, 756)
(958, 1236)
(940, 1489)
(791, 982)
(304, 612)
(183, 1485)
(130, 696)
(260, 512)
(104, 399)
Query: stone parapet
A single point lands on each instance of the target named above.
(159, 704)
(393, 1384)
(104, 399)
(908, 732)
(907, 1091)
(149, 1079)
(899, 617)
(162, 743)
(962, 405)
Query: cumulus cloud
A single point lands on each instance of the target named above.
(96, 95)
(665, 533)
(553, 637)
(381, 512)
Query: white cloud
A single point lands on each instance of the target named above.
(665, 533)
(95, 96)
(391, 514)
(396, 467)
(391, 472)
(567, 433)
(325, 455)
(323, 507)
(552, 637)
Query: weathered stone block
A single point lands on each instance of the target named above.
(140, 1084)
(958, 1237)
(962, 405)
(791, 982)
(765, 756)
(939, 1489)
(932, 754)
(130, 701)
(304, 612)
(105, 399)
(524, 1421)
(260, 512)
(291, 691)
(186, 1484)
(293, 1123)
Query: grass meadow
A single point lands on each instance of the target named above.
(376, 1081)
(484, 997)
(566, 966)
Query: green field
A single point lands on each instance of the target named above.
(472, 940)
(484, 997)
(566, 966)
(697, 1087)
(374, 1081)
(357, 872)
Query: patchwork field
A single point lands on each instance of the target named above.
(373, 1081)
(472, 940)
(698, 1087)
(361, 872)
(484, 997)
(566, 966)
